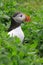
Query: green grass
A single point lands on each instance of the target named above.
(12, 52)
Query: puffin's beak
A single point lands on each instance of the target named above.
(27, 18)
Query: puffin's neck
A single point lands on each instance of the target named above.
(13, 25)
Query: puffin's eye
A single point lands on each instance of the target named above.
(20, 15)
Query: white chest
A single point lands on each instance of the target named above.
(17, 32)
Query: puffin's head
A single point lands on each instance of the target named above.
(20, 17)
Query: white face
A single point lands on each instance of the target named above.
(19, 18)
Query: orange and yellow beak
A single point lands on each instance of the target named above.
(27, 19)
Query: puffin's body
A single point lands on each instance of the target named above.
(15, 27)
(17, 32)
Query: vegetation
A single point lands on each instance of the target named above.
(12, 52)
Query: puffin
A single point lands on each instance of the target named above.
(15, 26)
